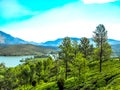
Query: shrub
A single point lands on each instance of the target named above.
(101, 83)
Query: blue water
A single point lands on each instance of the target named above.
(12, 61)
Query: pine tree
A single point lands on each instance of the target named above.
(100, 38)
(66, 53)
(85, 47)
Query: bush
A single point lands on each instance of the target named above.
(101, 83)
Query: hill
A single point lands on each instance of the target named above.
(116, 50)
(24, 49)
(108, 79)
(8, 39)
(113, 41)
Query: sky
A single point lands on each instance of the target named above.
(43, 20)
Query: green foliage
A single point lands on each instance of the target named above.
(85, 47)
(100, 35)
(107, 51)
(75, 47)
(79, 66)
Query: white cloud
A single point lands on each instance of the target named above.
(12, 9)
(69, 20)
(97, 1)
(76, 28)
(113, 31)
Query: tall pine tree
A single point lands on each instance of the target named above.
(100, 38)
(66, 53)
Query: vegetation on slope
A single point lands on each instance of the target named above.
(23, 49)
(19, 77)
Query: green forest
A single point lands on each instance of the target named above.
(80, 66)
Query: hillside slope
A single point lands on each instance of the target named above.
(23, 49)
(108, 79)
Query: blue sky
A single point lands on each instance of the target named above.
(42, 20)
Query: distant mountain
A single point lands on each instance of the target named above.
(8, 39)
(116, 50)
(113, 41)
(24, 49)
(52, 43)
(58, 41)
(9, 45)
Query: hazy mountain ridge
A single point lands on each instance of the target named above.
(10, 40)
(58, 41)
(7, 39)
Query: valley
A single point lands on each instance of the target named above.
(59, 45)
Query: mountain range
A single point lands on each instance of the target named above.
(7, 39)
(10, 43)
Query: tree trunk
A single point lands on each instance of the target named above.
(100, 63)
(79, 73)
(101, 57)
(66, 66)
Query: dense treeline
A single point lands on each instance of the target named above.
(79, 66)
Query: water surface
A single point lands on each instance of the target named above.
(12, 61)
